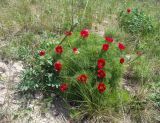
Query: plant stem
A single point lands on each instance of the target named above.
(71, 29)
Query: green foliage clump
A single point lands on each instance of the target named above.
(141, 107)
(135, 22)
(42, 75)
(142, 69)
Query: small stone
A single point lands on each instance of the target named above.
(38, 95)
(15, 102)
(128, 57)
(31, 106)
(105, 22)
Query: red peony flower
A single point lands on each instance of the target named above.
(68, 33)
(82, 78)
(121, 60)
(59, 49)
(109, 39)
(84, 33)
(101, 63)
(101, 74)
(64, 87)
(42, 53)
(128, 10)
(75, 50)
(57, 66)
(105, 47)
(121, 46)
(101, 87)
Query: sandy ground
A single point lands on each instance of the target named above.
(21, 109)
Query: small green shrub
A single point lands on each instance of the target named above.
(155, 94)
(149, 43)
(84, 69)
(142, 108)
(135, 22)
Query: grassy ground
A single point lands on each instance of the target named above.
(24, 22)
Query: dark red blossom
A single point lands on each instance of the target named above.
(101, 87)
(128, 10)
(57, 66)
(59, 49)
(75, 50)
(121, 46)
(68, 33)
(109, 39)
(101, 63)
(105, 47)
(84, 33)
(64, 87)
(82, 78)
(42, 53)
(101, 74)
(121, 60)
(52, 88)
